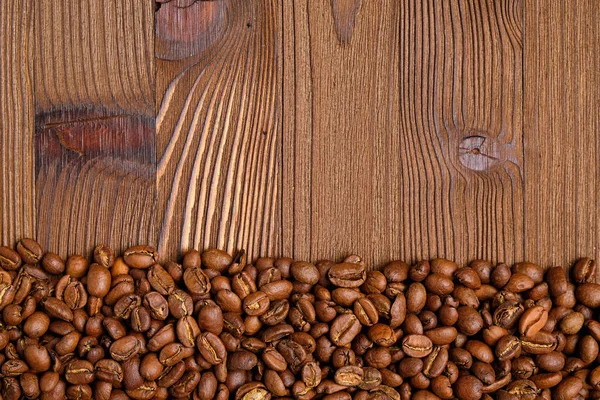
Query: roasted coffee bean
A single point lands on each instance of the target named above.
(124, 348)
(211, 347)
(99, 281)
(180, 304)
(30, 251)
(532, 321)
(417, 346)
(347, 274)
(10, 260)
(344, 329)
(584, 271)
(140, 257)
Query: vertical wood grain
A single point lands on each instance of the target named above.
(95, 131)
(96, 54)
(406, 138)
(562, 127)
(218, 129)
(17, 169)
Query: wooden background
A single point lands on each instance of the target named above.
(394, 129)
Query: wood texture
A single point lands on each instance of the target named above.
(562, 130)
(95, 53)
(219, 144)
(392, 129)
(95, 133)
(407, 137)
(17, 170)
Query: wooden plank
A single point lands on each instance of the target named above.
(562, 145)
(404, 121)
(17, 170)
(95, 132)
(218, 130)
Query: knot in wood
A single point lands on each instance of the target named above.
(480, 153)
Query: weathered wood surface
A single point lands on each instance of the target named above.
(17, 175)
(218, 130)
(95, 135)
(562, 130)
(392, 129)
(405, 129)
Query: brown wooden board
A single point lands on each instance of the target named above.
(95, 135)
(314, 129)
(17, 175)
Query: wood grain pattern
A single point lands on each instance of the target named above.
(95, 131)
(562, 142)
(218, 135)
(95, 54)
(17, 170)
(406, 141)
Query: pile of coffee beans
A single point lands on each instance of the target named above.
(217, 327)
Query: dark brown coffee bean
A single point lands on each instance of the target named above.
(30, 251)
(365, 311)
(439, 284)
(242, 359)
(572, 323)
(277, 290)
(292, 352)
(210, 318)
(243, 283)
(79, 372)
(349, 376)
(541, 343)
(305, 272)
(180, 304)
(99, 280)
(160, 279)
(141, 319)
(52, 263)
(468, 387)
(124, 348)
(171, 354)
(77, 266)
(277, 312)
(417, 346)
(435, 363)
(196, 281)
(216, 259)
(36, 325)
(252, 391)
(207, 387)
(568, 388)
(345, 297)
(211, 347)
(125, 305)
(14, 368)
(140, 257)
(256, 303)
(108, 370)
(584, 270)
(10, 260)
(104, 256)
(344, 329)
(508, 347)
(347, 275)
